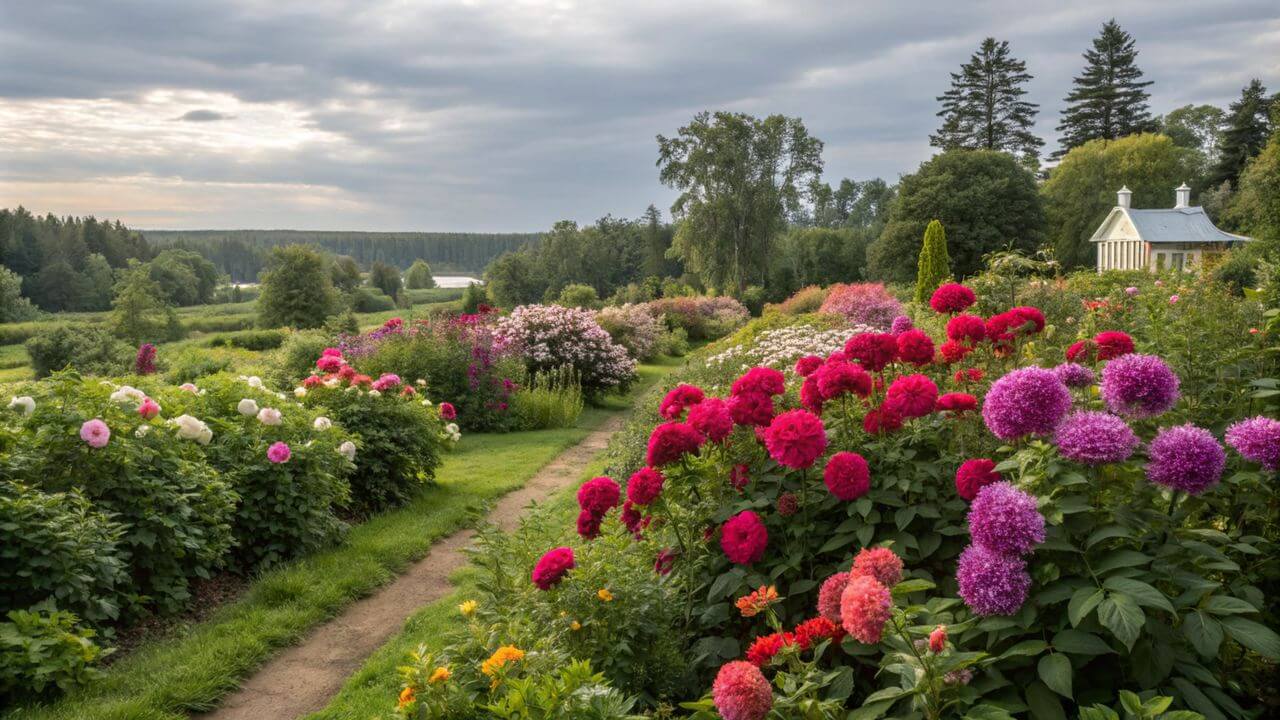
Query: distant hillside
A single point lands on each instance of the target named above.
(242, 253)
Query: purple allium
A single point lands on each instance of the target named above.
(1075, 375)
(1004, 519)
(991, 583)
(1186, 458)
(1095, 438)
(1139, 386)
(901, 324)
(1257, 439)
(1026, 401)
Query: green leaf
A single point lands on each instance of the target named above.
(1078, 642)
(1255, 636)
(1055, 671)
(1026, 647)
(1043, 703)
(1227, 605)
(1204, 632)
(987, 712)
(1192, 696)
(1104, 533)
(1122, 616)
(912, 585)
(1083, 601)
(837, 541)
(725, 585)
(1143, 593)
(865, 533)
(1120, 559)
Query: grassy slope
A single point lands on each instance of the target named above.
(198, 665)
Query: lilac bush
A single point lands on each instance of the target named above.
(632, 327)
(550, 337)
(863, 304)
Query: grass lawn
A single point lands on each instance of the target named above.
(197, 665)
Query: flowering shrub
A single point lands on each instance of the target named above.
(803, 301)
(702, 318)
(867, 304)
(550, 337)
(634, 328)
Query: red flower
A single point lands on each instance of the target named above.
(951, 298)
(738, 477)
(759, 379)
(678, 399)
(915, 347)
(882, 420)
(312, 381)
(751, 408)
(938, 639)
(811, 395)
(765, 647)
(815, 630)
(448, 411)
(599, 494)
(968, 329)
(953, 351)
(880, 563)
(744, 538)
(1030, 315)
(838, 378)
(711, 417)
(973, 475)
(329, 363)
(552, 567)
(872, 351)
(1086, 350)
(644, 486)
(1113, 344)
(957, 402)
(671, 441)
(847, 475)
(795, 439)
(912, 395)
(968, 375)
(630, 517)
(807, 364)
(589, 524)
(665, 560)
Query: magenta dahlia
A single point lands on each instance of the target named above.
(552, 567)
(847, 475)
(952, 298)
(796, 439)
(744, 538)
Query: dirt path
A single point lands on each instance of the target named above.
(305, 677)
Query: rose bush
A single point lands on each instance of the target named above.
(550, 337)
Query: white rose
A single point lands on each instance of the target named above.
(375, 393)
(269, 416)
(247, 407)
(189, 428)
(24, 403)
(322, 423)
(451, 428)
(300, 392)
(348, 450)
(254, 381)
(127, 394)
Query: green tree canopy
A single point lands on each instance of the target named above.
(297, 289)
(985, 107)
(1109, 99)
(419, 276)
(345, 272)
(510, 280)
(738, 177)
(817, 256)
(385, 278)
(1082, 189)
(1198, 127)
(1248, 125)
(184, 277)
(140, 313)
(14, 307)
(1256, 206)
(987, 200)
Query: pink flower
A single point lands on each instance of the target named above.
(796, 439)
(741, 692)
(599, 494)
(95, 433)
(973, 475)
(552, 567)
(744, 538)
(880, 563)
(329, 363)
(829, 596)
(751, 408)
(840, 377)
(807, 364)
(915, 347)
(386, 382)
(448, 411)
(671, 441)
(645, 486)
(678, 400)
(279, 453)
(759, 379)
(1173, 299)
(938, 639)
(912, 395)
(149, 409)
(865, 607)
(847, 476)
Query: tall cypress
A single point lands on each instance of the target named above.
(1109, 100)
(933, 266)
(985, 109)
(1247, 130)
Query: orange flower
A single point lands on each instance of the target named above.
(756, 602)
(604, 595)
(500, 657)
(406, 696)
(440, 675)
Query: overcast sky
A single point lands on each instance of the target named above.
(401, 115)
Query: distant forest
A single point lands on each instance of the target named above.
(242, 253)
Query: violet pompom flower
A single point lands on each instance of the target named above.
(1027, 401)
(1075, 375)
(1139, 386)
(991, 583)
(1005, 519)
(1095, 438)
(900, 324)
(1186, 458)
(1258, 440)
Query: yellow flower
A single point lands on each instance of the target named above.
(604, 594)
(501, 656)
(575, 626)
(406, 696)
(440, 675)
(468, 608)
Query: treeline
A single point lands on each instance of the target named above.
(243, 254)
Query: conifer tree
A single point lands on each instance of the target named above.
(934, 265)
(1247, 129)
(985, 109)
(1109, 99)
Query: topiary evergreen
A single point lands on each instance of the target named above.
(934, 265)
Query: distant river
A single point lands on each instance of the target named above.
(454, 281)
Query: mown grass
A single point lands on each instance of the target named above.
(193, 668)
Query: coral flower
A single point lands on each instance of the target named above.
(880, 563)
(796, 439)
(829, 595)
(847, 475)
(279, 453)
(815, 630)
(952, 298)
(938, 639)
(644, 486)
(552, 567)
(765, 647)
(711, 417)
(873, 351)
(751, 408)
(672, 441)
(95, 433)
(759, 380)
(912, 395)
(757, 601)
(741, 692)
(915, 347)
(744, 538)
(967, 329)
(678, 400)
(149, 409)
(973, 475)
(865, 606)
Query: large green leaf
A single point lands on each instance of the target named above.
(1122, 616)
(1026, 647)
(1143, 593)
(1043, 703)
(1078, 642)
(1255, 636)
(1083, 601)
(1055, 671)
(1204, 632)
(1120, 559)
(1227, 605)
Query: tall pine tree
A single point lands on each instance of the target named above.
(1247, 129)
(1109, 100)
(985, 109)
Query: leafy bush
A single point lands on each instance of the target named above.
(577, 295)
(90, 349)
(634, 328)
(703, 318)
(41, 650)
(190, 364)
(551, 336)
(256, 340)
(548, 400)
(56, 547)
(175, 509)
(371, 300)
(867, 304)
(219, 323)
(296, 358)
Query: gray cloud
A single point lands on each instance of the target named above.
(510, 116)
